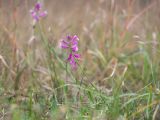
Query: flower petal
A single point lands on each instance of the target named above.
(76, 55)
(43, 14)
(38, 6)
(69, 38)
(74, 66)
(74, 48)
(69, 57)
(64, 44)
(74, 42)
(75, 38)
(73, 63)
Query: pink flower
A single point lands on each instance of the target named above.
(37, 13)
(72, 60)
(70, 44)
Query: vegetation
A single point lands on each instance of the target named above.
(115, 75)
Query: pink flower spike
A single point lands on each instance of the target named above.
(70, 43)
(71, 60)
(73, 63)
(37, 13)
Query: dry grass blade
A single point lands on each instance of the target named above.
(155, 112)
(133, 19)
(141, 109)
(3, 61)
(112, 66)
(138, 15)
(6, 65)
(12, 38)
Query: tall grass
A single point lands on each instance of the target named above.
(118, 74)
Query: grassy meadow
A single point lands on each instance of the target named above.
(117, 75)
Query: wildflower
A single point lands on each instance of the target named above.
(72, 60)
(36, 12)
(70, 44)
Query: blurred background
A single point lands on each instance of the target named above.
(135, 16)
